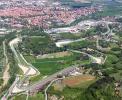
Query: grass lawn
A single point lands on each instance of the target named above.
(20, 59)
(38, 96)
(54, 55)
(50, 66)
(83, 62)
(20, 97)
(29, 58)
(70, 36)
(36, 78)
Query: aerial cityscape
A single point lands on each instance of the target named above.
(60, 49)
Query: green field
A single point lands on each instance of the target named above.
(70, 35)
(52, 65)
(38, 96)
(81, 45)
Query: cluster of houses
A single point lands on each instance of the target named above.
(40, 13)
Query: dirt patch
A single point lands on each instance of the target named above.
(54, 55)
(76, 80)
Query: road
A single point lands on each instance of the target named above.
(65, 42)
(28, 69)
(9, 92)
(6, 75)
(95, 59)
(45, 91)
(85, 25)
(40, 84)
(109, 32)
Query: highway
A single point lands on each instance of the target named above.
(40, 84)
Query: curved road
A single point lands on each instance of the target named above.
(28, 70)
